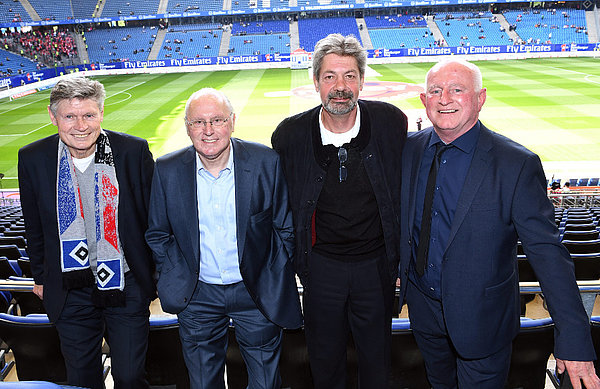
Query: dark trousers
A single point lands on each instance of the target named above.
(342, 298)
(203, 329)
(445, 367)
(81, 327)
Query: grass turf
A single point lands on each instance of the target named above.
(552, 106)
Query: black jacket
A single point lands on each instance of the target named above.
(297, 138)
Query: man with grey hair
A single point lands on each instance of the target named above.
(468, 195)
(84, 194)
(342, 164)
(222, 236)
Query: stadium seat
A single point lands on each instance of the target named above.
(164, 360)
(408, 367)
(7, 270)
(531, 349)
(583, 182)
(18, 241)
(35, 346)
(580, 235)
(582, 247)
(10, 251)
(579, 227)
(593, 181)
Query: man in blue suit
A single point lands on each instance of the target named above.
(459, 238)
(222, 235)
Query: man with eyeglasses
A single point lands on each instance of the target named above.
(221, 231)
(342, 163)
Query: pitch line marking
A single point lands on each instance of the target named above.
(586, 78)
(47, 124)
(31, 102)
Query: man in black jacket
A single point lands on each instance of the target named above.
(342, 163)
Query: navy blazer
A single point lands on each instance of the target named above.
(37, 182)
(503, 199)
(265, 237)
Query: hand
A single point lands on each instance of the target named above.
(579, 371)
(398, 282)
(39, 291)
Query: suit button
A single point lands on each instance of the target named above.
(406, 271)
(319, 179)
(185, 299)
(310, 202)
(305, 252)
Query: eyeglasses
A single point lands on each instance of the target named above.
(214, 123)
(343, 157)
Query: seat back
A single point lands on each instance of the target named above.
(581, 235)
(6, 269)
(408, 367)
(36, 347)
(580, 227)
(531, 349)
(164, 359)
(10, 251)
(19, 241)
(582, 247)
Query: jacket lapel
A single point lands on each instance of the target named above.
(411, 167)
(475, 175)
(243, 192)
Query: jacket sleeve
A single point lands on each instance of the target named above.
(31, 214)
(533, 216)
(159, 235)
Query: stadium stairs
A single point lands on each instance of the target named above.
(433, 27)
(504, 23)
(162, 6)
(225, 39)
(100, 8)
(294, 35)
(364, 33)
(84, 56)
(158, 43)
(30, 10)
(592, 20)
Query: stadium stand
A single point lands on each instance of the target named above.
(397, 31)
(471, 29)
(13, 11)
(179, 6)
(402, 37)
(116, 44)
(130, 7)
(561, 25)
(197, 41)
(267, 37)
(12, 64)
(52, 10)
(85, 8)
(311, 30)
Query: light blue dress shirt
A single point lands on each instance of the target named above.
(219, 262)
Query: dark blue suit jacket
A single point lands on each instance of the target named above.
(37, 181)
(503, 199)
(265, 237)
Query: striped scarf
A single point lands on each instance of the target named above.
(110, 280)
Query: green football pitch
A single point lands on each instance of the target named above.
(552, 106)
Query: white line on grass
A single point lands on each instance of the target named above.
(31, 102)
(47, 124)
(587, 75)
(28, 133)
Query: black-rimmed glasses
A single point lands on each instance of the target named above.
(343, 157)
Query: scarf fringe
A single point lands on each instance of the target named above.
(78, 279)
(108, 298)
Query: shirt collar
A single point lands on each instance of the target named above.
(229, 165)
(331, 138)
(465, 143)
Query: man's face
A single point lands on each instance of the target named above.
(79, 124)
(210, 141)
(451, 100)
(339, 83)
